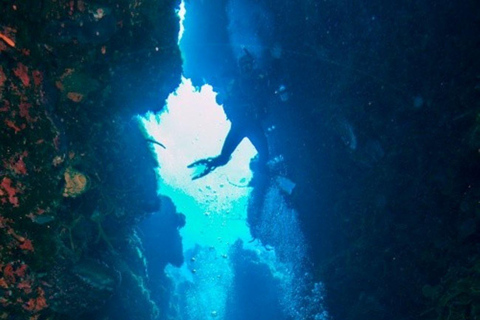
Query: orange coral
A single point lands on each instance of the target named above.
(66, 73)
(11, 232)
(75, 96)
(12, 125)
(76, 183)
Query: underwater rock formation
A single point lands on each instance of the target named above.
(76, 173)
(387, 199)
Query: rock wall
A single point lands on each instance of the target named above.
(76, 173)
(381, 136)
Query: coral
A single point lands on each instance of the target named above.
(26, 245)
(16, 163)
(3, 78)
(21, 286)
(37, 77)
(75, 85)
(75, 96)
(8, 190)
(12, 125)
(76, 183)
(24, 113)
(8, 274)
(22, 73)
(36, 304)
(25, 286)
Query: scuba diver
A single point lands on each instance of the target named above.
(245, 102)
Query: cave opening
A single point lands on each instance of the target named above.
(193, 126)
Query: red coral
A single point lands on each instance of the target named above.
(4, 302)
(30, 305)
(36, 304)
(16, 163)
(6, 104)
(3, 224)
(3, 77)
(19, 167)
(26, 245)
(21, 271)
(9, 274)
(26, 286)
(3, 283)
(37, 77)
(22, 73)
(10, 191)
(24, 106)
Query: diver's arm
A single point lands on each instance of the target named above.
(233, 139)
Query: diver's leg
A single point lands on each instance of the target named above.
(257, 137)
(260, 180)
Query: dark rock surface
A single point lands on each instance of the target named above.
(76, 173)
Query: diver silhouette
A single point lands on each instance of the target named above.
(245, 101)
